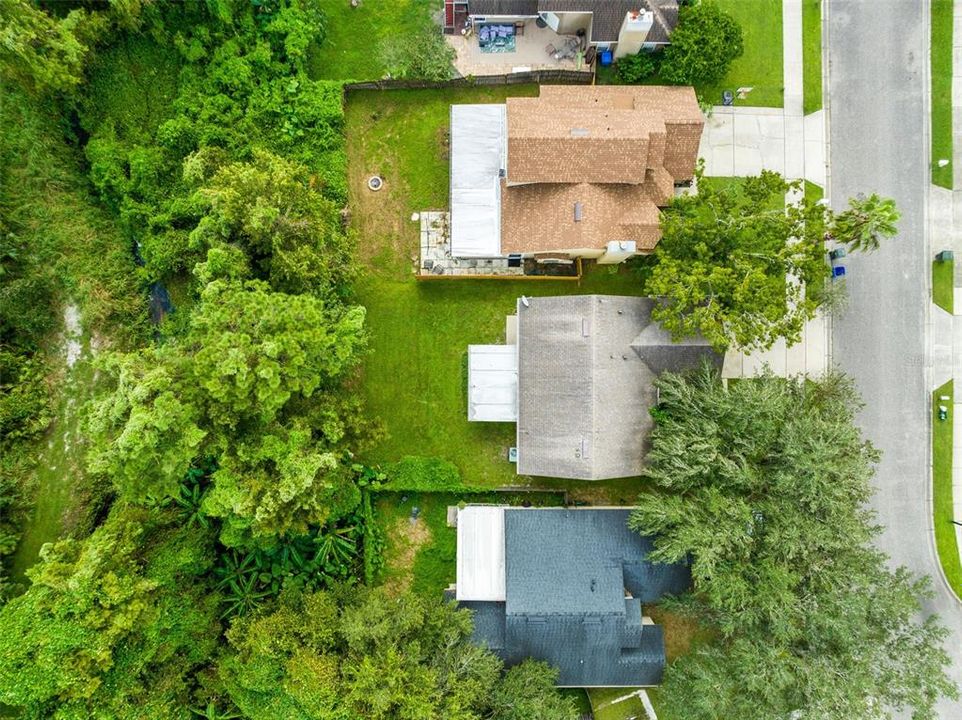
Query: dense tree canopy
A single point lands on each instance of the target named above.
(739, 266)
(114, 625)
(762, 487)
(348, 654)
(235, 388)
(733, 263)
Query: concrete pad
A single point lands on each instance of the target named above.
(816, 346)
(957, 304)
(795, 359)
(748, 161)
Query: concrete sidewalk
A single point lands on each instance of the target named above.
(741, 141)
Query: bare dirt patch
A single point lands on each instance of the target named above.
(406, 537)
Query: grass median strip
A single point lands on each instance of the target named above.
(941, 57)
(943, 291)
(945, 536)
(812, 54)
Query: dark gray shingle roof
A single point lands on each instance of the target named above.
(567, 573)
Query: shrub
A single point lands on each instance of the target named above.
(702, 46)
(635, 68)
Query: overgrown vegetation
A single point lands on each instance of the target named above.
(248, 468)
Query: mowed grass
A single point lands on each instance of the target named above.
(605, 707)
(812, 54)
(414, 378)
(760, 67)
(941, 57)
(353, 43)
(943, 287)
(945, 536)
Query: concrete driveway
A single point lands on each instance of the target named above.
(878, 88)
(739, 141)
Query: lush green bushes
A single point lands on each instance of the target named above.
(703, 45)
(114, 625)
(636, 68)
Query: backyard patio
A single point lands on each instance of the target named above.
(525, 47)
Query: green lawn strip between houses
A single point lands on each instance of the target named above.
(943, 285)
(941, 106)
(604, 708)
(945, 537)
(812, 54)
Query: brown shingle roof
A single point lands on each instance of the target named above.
(602, 134)
(541, 217)
(615, 150)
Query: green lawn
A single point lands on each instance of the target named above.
(414, 378)
(351, 49)
(942, 488)
(941, 49)
(813, 191)
(603, 709)
(812, 54)
(760, 67)
(943, 286)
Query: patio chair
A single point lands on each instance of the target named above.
(550, 49)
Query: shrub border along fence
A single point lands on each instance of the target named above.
(541, 77)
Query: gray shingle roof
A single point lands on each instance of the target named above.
(567, 574)
(585, 385)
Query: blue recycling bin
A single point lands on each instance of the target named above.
(606, 58)
(838, 271)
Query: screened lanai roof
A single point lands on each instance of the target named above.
(493, 383)
(477, 158)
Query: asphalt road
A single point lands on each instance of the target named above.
(878, 134)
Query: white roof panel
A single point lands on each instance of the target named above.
(477, 157)
(493, 383)
(480, 558)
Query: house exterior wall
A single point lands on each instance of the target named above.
(570, 23)
(634, 32)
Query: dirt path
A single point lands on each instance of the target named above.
(54, 483)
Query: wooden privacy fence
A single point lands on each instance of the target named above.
(542, 77)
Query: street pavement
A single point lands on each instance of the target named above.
(878, 132)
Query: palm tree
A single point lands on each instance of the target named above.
(867, 220)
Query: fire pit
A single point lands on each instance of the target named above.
(375, 183)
